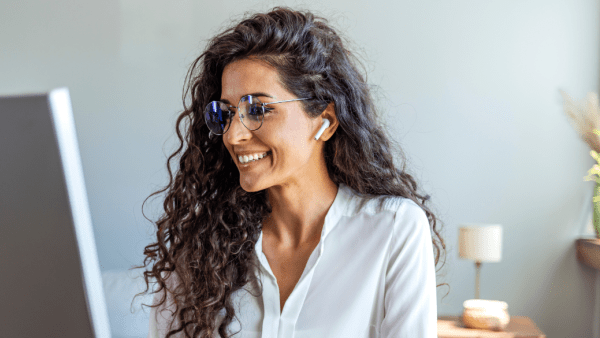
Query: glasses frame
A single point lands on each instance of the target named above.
(232, 113)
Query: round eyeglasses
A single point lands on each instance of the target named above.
(251, 111)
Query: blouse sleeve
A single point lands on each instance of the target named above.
(161, 317)
(410, 286)
(153, 329)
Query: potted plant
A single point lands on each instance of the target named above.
(585, 118)
(590, 177)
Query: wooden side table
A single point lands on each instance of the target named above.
(518, 327)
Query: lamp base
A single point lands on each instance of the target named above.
(485, 314)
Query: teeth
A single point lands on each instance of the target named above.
(249, 158)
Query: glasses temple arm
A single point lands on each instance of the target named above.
(264, 104)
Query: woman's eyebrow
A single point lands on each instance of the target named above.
(261, 94)
(253, 94)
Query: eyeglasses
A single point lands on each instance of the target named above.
(251, 111)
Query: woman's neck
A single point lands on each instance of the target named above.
(298, 211)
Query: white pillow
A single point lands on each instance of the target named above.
(127, 319)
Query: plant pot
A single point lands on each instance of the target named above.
(485, 314)
(596, 206)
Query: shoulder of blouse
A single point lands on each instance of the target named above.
(409, 219)
(372, 205)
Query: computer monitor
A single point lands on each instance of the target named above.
(50, 281)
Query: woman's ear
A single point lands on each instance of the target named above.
(329, 114)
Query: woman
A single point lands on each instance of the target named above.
(287, 216)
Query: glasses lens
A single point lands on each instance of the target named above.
(217, 117)
(251, 112)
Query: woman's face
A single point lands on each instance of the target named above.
(286, 135)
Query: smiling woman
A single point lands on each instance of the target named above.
(287, 216)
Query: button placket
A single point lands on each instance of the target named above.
(290, 314)
(270, 294)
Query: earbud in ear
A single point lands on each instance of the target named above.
(323, 127)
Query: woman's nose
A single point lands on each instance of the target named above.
(237, 131)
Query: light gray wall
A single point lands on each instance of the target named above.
(469, 89)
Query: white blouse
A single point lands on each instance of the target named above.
(371, 275)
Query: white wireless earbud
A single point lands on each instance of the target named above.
(323, 127)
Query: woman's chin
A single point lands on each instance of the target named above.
(250, 186)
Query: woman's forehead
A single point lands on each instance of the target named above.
(249, 76)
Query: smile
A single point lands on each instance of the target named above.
(245, 159)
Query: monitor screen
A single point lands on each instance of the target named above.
(50, 281)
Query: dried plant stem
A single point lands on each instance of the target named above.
(584, 117)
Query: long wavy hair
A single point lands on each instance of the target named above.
(210, 225)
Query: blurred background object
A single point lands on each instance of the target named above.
(480, 243)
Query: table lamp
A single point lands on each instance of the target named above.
(482, 243)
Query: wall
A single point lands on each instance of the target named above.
(469, 89)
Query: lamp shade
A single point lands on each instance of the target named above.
(480, 242)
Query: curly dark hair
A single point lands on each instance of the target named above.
(210, 225)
